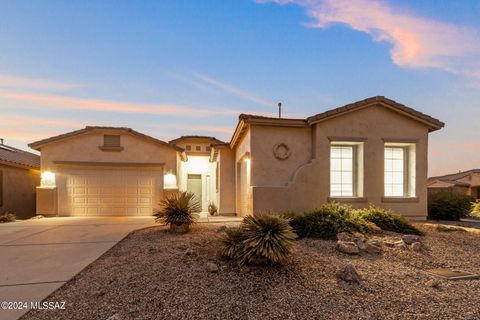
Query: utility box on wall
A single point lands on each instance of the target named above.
(47, 201)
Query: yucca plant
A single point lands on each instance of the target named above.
(261, 239)
(177, 211)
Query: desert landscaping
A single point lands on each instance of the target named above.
(155, 274)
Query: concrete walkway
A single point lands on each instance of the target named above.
(39, 256)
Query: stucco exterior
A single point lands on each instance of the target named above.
(18, 190)
(270, 164)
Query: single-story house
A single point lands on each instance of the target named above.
(466, 182)
(19, 175)
(372, 151)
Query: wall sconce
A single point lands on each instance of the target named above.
(170, 181)
(47, 179)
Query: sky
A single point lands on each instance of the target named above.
(180, 67)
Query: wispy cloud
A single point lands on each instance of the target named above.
(70, 103)
(235, 91)
(417, 42)
(19, 82)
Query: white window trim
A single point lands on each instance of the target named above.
(409, 169)
(357, 169)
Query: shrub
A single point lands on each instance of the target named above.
(387, 220)
(262, 239)
(475, 210)
(7, 217)
(177, 210)
(448, 205)
(327, 221)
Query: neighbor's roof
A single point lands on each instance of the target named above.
(18, 158)
(212, 139)
(432, 123)
(38, 144)
(453, 177)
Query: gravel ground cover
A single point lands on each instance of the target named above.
(153, 274)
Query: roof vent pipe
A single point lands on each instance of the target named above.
(1, 141)
(279, 110)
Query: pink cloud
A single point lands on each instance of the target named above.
(69, 103)
(18, 82)
(417, 42)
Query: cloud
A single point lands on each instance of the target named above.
(228, 88)
(417, 42)
(17, 82)
(70, 103)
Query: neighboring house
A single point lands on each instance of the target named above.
(373, 151)
(19, 175)
(466, 182)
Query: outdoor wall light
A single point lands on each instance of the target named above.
(170, 181)
(47, 179)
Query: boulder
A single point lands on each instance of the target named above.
(347, 247)
(348, 273)
(373, 228)
(444, 228)
(345, 236)
(417, 246)
(372, 248)
(390, 244)
(410, 238)
(375, 242)
(401, 245)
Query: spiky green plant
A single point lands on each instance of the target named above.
(261, 239)
(177, 209)
(232, 242)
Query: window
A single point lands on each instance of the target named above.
(198, 148)
(188, 147)
(346, 169)
(399, 170)
(208, 148)
(110, 140)
(341, 171)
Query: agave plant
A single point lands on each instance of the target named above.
(261, 239)
(177, 211)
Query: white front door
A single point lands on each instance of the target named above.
(194, 185)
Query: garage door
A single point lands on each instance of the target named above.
(112, 192)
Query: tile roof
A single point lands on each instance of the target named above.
(18, 158)
(452, 177)
(37, 144)
(213, 139)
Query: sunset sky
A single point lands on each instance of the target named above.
(176, 67)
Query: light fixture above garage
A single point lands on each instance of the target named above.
(170, 181)
(47, 179)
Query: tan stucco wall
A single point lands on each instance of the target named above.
(84, 148)
(19, 190)
(243, 174)
(310, 186)
(226, 181)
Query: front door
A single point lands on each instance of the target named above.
(194, 185)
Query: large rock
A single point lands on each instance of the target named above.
(444, 228)
(373, 228)
(347, 247)
(345, 236)
(410, 238)
(373, 248)
(349, 274)
(417, 246)
(401, 245)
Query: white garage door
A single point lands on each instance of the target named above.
(112, 192)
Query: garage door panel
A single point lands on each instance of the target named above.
(112, 192)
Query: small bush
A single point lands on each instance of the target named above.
(448, 205)
(7, 217)
(475, 210)
(327, 221)
(262, 239)
(387, 220)
(177, 209)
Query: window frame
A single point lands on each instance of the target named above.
(354, 170)
(409, 169)
(112, 136)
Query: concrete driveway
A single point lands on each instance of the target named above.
(38, 256)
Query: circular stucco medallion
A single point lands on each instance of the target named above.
(281, 151)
